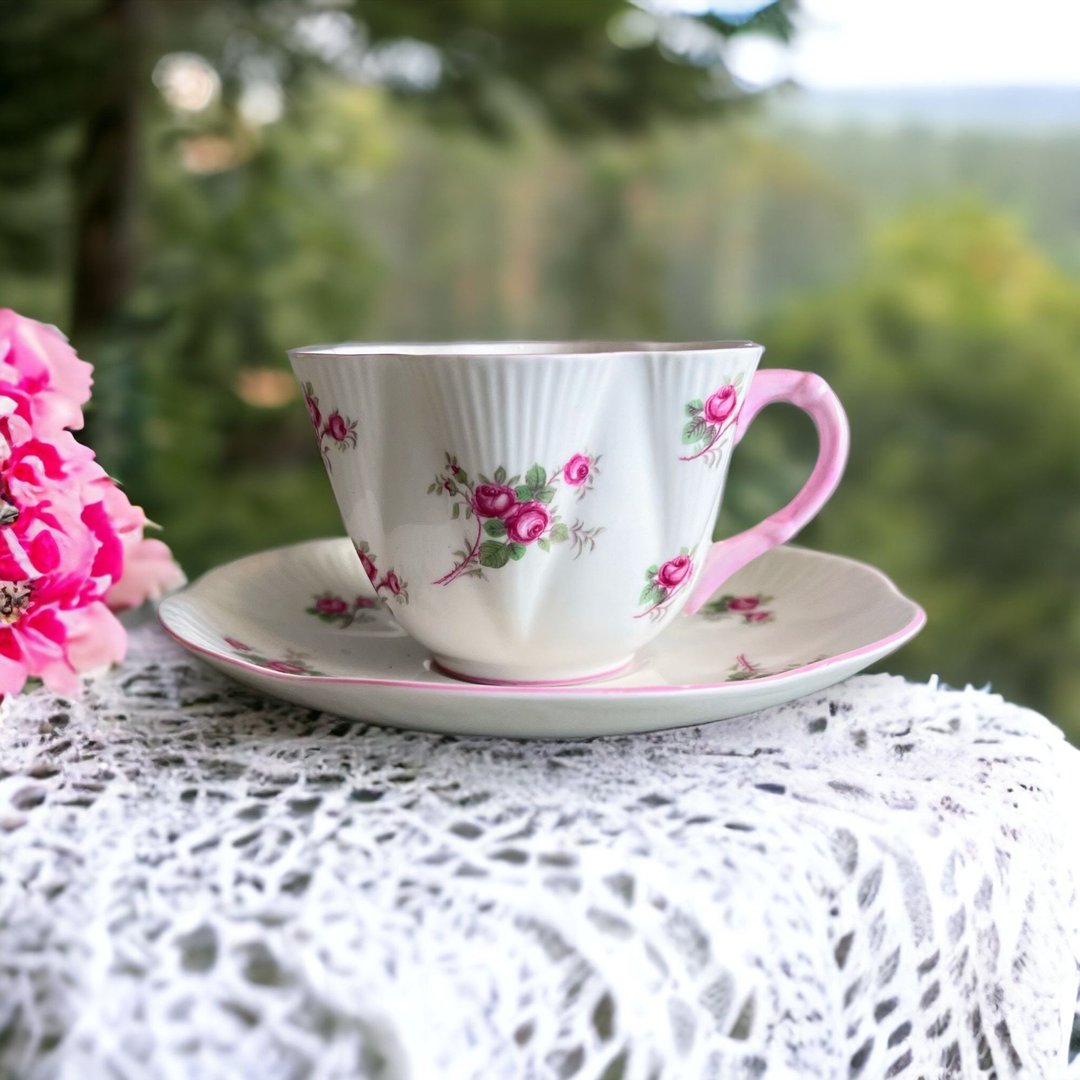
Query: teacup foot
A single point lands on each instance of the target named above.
(487, 677)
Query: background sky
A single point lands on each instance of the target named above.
(877, 44)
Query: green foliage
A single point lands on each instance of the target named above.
(494, 555)
(955, 354)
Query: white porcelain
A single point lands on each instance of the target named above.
(539, 512)
(300, 623)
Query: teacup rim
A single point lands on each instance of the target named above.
(511, 349)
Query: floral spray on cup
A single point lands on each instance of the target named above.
(537, 512)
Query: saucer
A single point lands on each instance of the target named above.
(301, 623)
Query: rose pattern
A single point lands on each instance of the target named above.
(527, 522)
(492, 500)
(744, 668)
(292, 663)
(287, 667)
(750, 609)
(514, 513)
(579, 472)
(367, 563)
(709, 420)
(335, 610)
(390, 581)
(312, 403)
(337, 430)
(720, 405)
(663, 582)
(673, 573)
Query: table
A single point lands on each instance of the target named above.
(876, 881)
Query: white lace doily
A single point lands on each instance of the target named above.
(876, 881)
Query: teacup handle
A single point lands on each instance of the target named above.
(813, 395)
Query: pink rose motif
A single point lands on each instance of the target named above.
(743, 603)
(368, 565)
(392, 582)
(720, 405)
(674, 572)
(576, 470)
(313, 411)
(285, 667)
(336, 427)
(331, 605)
(527, 522)
(757, 616)
(363, 603)
(493, 500)
(238, 645)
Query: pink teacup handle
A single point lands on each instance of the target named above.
(812, 394)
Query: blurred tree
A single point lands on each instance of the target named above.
(73, 74)
(955, 355)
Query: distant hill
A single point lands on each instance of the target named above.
(1013, 109)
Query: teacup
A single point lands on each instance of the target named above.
(536, 512)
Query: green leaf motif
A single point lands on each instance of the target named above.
(559, 533)
(495, 527)
(523, 493)
(456, 512)
(500, 475)
(494, 555)
(544, 544)
(694, 431)
(545, 494)
(536, 478)
(652, 571)
(517, 551)
(651, 594)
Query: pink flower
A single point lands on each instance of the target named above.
(150, 571)
(493, 500)
(238, 645)
(56, 562)
(527, 522)
(674, 572)
(336, 427)
(314, 412)
(365, 602)
(148, 568)
(743, 603)
(576, 470)
(368, 564)
(720, 405)
(757, 616)
(286, 667)
(392, 582)
(37, 359)
(331, 605)
(71, 542)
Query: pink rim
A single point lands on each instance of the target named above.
(882, 646)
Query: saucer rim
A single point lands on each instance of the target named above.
(877, 649)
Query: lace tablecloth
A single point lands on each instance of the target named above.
(875, 881)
